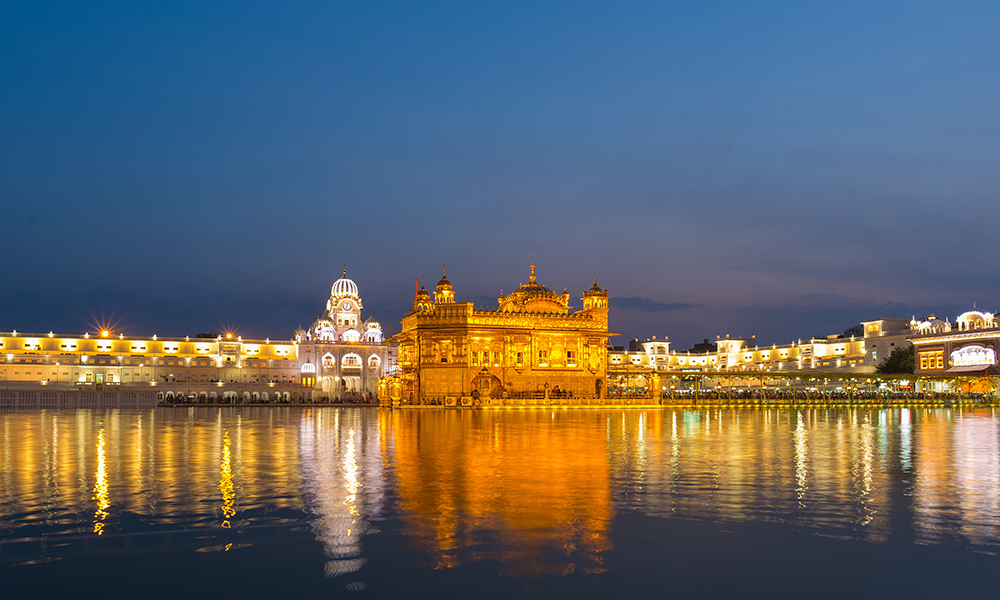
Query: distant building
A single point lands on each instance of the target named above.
(533, 343)
(969, 347)
(832, 353)
(339, 356)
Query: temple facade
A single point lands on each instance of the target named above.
(532, 345)
(340, 355)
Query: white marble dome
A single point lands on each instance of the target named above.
(344, 288)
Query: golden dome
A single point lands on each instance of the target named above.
(444, 284)
(532, 297)
(596, 289)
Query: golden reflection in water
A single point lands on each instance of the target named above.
(226, 483)
(528, 490)
(535, 491)
(50, 482)
(101, 486)
(978, 473)
(867, 469)
(801, 460)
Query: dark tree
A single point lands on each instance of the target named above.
(854, 331)
(207, 334)
(899, 362)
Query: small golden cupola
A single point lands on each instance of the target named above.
(444, 294)
(422, 299)
(595, 297)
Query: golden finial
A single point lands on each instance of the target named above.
(345, 269)
(531, 278)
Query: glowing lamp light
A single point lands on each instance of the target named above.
(105, 333)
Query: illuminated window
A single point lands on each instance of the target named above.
(475, 359)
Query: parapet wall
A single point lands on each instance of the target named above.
(65, 399)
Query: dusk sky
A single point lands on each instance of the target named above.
(784, 169)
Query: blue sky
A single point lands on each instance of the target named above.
(784, 169)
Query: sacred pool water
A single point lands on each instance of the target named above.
(293, 502)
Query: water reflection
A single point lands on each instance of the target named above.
(957, 487)
(343, 481)
(226, 482)
(532, 492)
(101, 486)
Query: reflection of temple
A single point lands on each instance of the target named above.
(505, 487)
(532, 343)
(343, 482)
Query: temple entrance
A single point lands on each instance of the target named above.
(352, 384)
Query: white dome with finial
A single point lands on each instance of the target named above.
(344, 288)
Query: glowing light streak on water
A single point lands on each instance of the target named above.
(101, 486)
(226, 482)
(801, 460)
(905, 440)
(351, 476)
(867, 435)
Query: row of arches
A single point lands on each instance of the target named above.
(348, 361)
(226, 397)
(329, 334)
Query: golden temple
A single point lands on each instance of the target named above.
(533, 345)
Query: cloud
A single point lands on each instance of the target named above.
(648, 305)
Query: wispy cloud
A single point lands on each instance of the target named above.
(648, 305)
